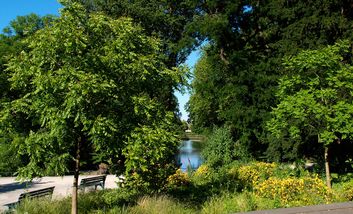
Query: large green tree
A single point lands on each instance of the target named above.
(166, 19)
(250, 39)
(89, 80)
(316, 98)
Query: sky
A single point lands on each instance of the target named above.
(10, 9)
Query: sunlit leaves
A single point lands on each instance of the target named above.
(88, 77)
(316, 96)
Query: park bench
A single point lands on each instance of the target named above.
(46, 192)
(93, 181)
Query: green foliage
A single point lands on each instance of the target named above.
(87, 203)
(315, 96)
(24, 26)
(203, 103)
(10, 45)
(344, 190)
(9, 161)
(219, 149)
(236, 78)
(233, 202)
(120, 197)
(159, 205)
(62, 206)
(197, 187)
(295, 191)
(92, 81)
(167, 19)
(205, 191)
(150, 156)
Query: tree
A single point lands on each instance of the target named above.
(250, 39)
(10, 42)
(23, 26)
(315, 98)
(10, 45)
(204, 103)
(86, 81)
(168, 20)
(164, 18)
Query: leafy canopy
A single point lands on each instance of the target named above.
(86, 78)
(316, 96)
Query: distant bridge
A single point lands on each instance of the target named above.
(193, 136)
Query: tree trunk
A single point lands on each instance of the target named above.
(327, 168)
(75, 182)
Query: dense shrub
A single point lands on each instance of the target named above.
(179, 179)
(219, 149)
(255, 172)
(150, 157)
(295, 191)
(347, 190)
(120, 197)
(199, 186)
(251, 174)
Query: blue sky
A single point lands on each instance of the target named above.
(10, 9)
(184, 98)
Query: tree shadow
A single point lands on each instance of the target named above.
(15, 186)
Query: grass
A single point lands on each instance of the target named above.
(93, 203)
(207, 191)
(237, 202)
(89, 203)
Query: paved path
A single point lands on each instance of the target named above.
(337, 208)
(10, 189)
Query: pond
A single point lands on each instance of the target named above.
(189, 155)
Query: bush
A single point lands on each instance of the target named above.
(120, 197)
(178, 179)
(200, 185)
(295, 191)
(220, 149)
(150, 157)
(347, 190)
(253, 173)
(250, 175)
(182, 187)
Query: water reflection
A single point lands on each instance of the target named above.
(189, 155)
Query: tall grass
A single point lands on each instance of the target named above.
(236, 202)
(94, 203)
(87, 203)
(41, 206)
(159, 205)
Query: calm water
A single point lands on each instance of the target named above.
(189, 155)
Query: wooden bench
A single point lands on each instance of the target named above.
(46, 192)
(93, 181)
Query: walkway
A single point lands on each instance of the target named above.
(10, 189)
